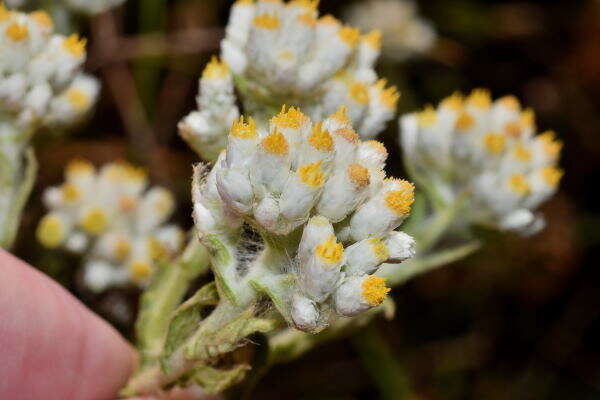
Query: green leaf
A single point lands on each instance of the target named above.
(215, 380)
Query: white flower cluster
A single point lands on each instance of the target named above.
(40, 79)
(320, 192)
(487, 153)
(283, 53)
(405, 34)
(111, 219)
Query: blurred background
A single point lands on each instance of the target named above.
(518, 320)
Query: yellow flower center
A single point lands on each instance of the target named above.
(494, 142)
(51, 231)
(359, 93)
(330, 250)
(244, 130)
(74, 45)
(4, 13)
(267, 21)
(79, 167)
(510, 102)
(464, 121)
(292, 118)
(127, 203)
(70, 192)
(320, 138)
(374, 290)
(513, 129)
(307, 19)
(378, 147)
(373, 39)
(312, 174)
(78, 99)
(552, 175)
(348, 134)
(359, 175)
(17, 32)
(94, 221)
(427, 117)
(156, 248)
(528, 118)
(522, 153)
(400, 200)
(388, 96)
(122, 249)
(140, 270)
(329, 20)
(480, 98)
(215, 69)
(340, 115)
(454, 102)
(276, 144)
(551, 146)
(349, 35)
(518, 184)
(42, 18)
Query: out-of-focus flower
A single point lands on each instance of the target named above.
(487, 155)
(282, 53)
(113, 219)
(405, 34)
(319, 198)
(88, 7)
(41, 85)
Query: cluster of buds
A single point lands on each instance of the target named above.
(487, 153)
(40, 79)
(112, 219)
(405, 33)
(319, 198)
(282, 53)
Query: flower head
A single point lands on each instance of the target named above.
(488, 152)
(317, 193)
(113, 219)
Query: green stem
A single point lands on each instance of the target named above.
(400, 274)
(389, 376)
(436, 226)
(164, 295)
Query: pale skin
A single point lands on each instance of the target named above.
(51, 345)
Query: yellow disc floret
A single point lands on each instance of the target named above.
(78, 99)
(74, 45)
(552, 175)
(518, 184)
(51, 231)
(388, 96)
(513, 129)
(359, 93)
(373, 39)
(341, 116)
(349, 35)
(330, 251)
(244, 130)
(17, 32)
(522, 153)
(41, 18)
(454, 102)
(528, 118)
(320, 138)
(122, 248)
(464, 121)
(380, 250)
(94, 220)
(79, 167)
(266, 21)
(401, 199)
(427, 117)
(510, 102)
(359, 175)
(4, 13)
(551, 146)
(312, 174)
(70, 192)
(215, 69)
(293, 118)
(480, 98)
(348, 134)
(276, 144)
(140, 269)
(374, 290)
(494, 142)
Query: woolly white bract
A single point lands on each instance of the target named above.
(486, 153)
(319, 198)
(405, 33)
(282, 53)
(113, 220)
